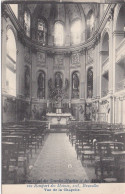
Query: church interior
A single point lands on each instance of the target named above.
(63, 92)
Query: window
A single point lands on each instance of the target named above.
(27, 23)
(11, 64)
(59, 34)
(41, 32)
(90, 23)
(76, 32)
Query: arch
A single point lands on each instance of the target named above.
(90, 23)
(27, 22)
(106, 30)
(76, 31)
(90, 82)
(10, 27)
(75, 84)
(41, 84)
(59, 33)
(11, 63)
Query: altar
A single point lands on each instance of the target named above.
(58, 118)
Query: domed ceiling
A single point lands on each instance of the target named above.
(60, 11)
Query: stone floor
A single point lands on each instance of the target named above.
(57, 163)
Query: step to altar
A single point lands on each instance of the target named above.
(57, 130)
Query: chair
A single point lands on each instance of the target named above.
(104, 161)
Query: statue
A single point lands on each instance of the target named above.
(66, 84)
(50, 84)
(58, 81)
(41, 92)
(75, 81)
(75, 85)
(27, 81)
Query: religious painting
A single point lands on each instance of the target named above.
(75, 84)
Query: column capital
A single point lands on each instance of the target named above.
(83, 51)
(67, 54)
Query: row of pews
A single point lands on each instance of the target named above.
(19, 144)
(103, 145)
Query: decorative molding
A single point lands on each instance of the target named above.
(59, 60)
(111, 15)
(75, 58)
(83, 51)
(50, 54)
(33, 49)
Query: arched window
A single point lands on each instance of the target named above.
(90, 23)
(11, 64)
(90, 82)
(41, 85)
(76, 32)
(59, 34)
(75, 84)
(41, 32)
(27, 22)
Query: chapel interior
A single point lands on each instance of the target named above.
(63, 92)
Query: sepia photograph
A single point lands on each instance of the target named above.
(63, 93)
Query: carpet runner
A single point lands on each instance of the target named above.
(57, 162)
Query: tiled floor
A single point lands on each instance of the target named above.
(57, 162)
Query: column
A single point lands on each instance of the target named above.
(82, 75)
(67, 71)
(50, 72)
(4, 50)
(111, 46)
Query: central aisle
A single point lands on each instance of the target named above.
(57, 161)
